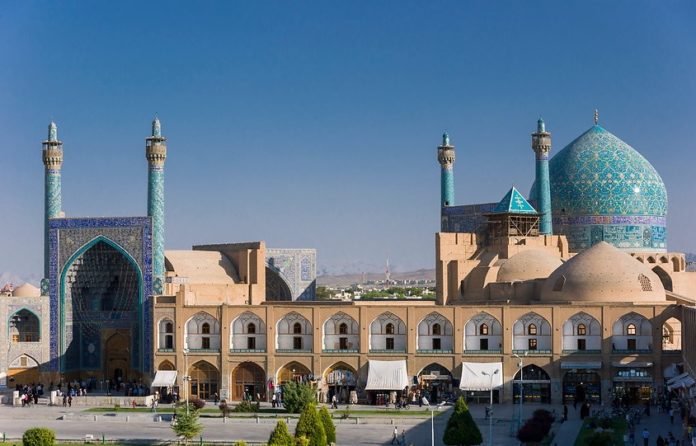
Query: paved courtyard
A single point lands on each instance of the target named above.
(371, 430)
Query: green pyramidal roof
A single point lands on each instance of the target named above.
(514, 203)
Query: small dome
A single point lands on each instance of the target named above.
(528, 265)
(26, 290)
(603, 273)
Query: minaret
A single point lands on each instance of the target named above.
(445, 156)
(541, 144)
(53, 161)
(156, 153)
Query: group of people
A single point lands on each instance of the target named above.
(30, 394)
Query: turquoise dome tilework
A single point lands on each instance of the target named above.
(604, 190)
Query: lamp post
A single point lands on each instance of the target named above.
(490, 410)
(521, 367)
(186, 379)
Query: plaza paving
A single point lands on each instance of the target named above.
(373, 430)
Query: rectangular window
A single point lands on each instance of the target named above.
(169, 341)
(297, 343)
(205, 343)
(251, 343)
(483, 344)
(631, 344)
(437, 344)
(390, 343)
(343, 343)
(582, 344)
(533, 344)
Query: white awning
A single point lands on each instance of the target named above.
(676, 378)
(164, 378)
(685, 382)
(639, 364)
(581, 365)
(387, 375)
(474, 378)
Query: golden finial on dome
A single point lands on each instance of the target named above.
(596, 116)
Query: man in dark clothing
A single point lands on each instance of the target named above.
(565, 413)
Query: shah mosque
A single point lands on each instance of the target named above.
(568, 294)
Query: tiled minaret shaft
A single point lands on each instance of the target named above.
(156, 153)
(446, 156)
(52, 155)
(541, 144)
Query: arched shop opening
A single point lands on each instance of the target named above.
(340, 380)
(22, 370)
(204, 380)
(581, 386)
(632, 382)
(534, 383)
(435, 383)
(294, 371)
(249, 382)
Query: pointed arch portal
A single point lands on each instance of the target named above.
(101, 312)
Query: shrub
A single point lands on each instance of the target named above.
(461, 429)
(297, 396)
(280, 435)
(38, 436)
(536, 428)
(247, 407)
(309, 425)
(197, 403)
(328, 424)
(240, 443)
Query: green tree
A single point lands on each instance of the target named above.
(297, 396)
(301, 441)
(329, 427)
(322, 293)
(309, 425)
(280, 435)
(461, 429)
(38, 436)
(187, 425)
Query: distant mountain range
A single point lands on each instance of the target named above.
(343, 280)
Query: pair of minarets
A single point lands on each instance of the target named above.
(155, 153)
(541, 144)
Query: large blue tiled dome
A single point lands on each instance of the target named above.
(604, 190)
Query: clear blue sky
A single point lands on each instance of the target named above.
(315, 124)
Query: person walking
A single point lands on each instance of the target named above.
(395, 438)
(646, 436)
(671, 415)
(565, 413)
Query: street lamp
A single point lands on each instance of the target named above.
(490, 410)
(186, 379)
(521, 366)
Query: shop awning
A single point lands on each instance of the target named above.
(632, 364)
(387, 375)
(674, 379)
(164, 378)
(683, 383)
(474, 378)
(581, 365)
